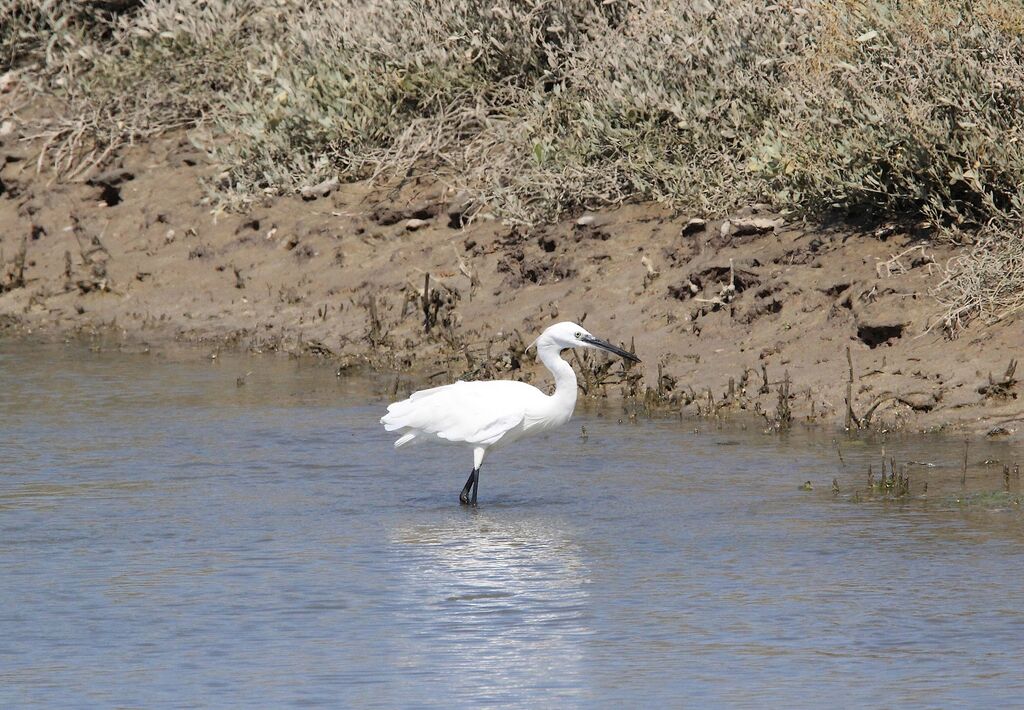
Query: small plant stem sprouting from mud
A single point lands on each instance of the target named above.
(851, 418)
(426, 302)
(375, 335)
(839, 450)
(585, 371)
(1006, 477)
(19, 264)
(68, 270)
(17, 275)
(894, 485)
(783, 414)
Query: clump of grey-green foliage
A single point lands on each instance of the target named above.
(541, 107)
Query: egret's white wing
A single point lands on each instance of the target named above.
(477, 413)
(485, 433)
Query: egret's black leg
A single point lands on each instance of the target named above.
(464, 496)
(476, 484)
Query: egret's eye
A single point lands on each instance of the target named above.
(578, 335)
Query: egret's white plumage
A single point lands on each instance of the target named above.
(488, 414)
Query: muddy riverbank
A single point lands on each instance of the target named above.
(754, 313)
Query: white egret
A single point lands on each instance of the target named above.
(485, 415)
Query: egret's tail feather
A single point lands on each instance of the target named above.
(405, 439)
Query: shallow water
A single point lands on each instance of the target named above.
(169, 538)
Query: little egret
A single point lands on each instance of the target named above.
(489, 414)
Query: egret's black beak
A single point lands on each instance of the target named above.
(605, 345)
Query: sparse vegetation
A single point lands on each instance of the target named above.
(987, 279)
(913, 111)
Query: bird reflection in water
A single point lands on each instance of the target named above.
(506, 598)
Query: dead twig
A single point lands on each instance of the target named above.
(851, 417)
(1002, 388)
(883, 397)
(895, 266)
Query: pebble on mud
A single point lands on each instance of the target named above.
(753, 225)
(111, 178)
(459, 210)
(413, 224)
(693, 226)
(322, 189)
(8, 80)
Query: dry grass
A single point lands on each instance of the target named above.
(986, 280)
(542, 107)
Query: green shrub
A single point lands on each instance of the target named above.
(874, 109)
(911, 111)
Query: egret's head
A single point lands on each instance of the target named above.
(570, 335)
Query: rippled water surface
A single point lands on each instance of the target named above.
(170, 538)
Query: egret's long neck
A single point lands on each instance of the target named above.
(565, 377)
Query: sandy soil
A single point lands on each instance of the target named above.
(721, 313)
